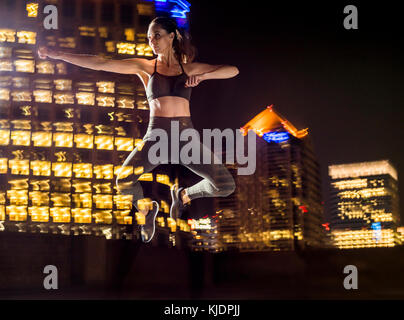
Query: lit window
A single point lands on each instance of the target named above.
(60, 199)
(41, 168)
(83, 200)
(7, 35)
(143, 49)
(43, 96)
(63, 126)
(39, 198)
(61, 68)
(21, 138)
(83, 170)
(164, 179)
(32, 10)
(26, 37)
(130, 34)
(81, 215)
(50, 41)
(3, 165)
(64, 98)
(106, 86)
(20, 82)
(122, 217)
(104, 171)
(5, 94)
(5, 52)
(83, 141)
(19, 166)
(45, 67)
(123, 172)
(60, 214)
(22, 65)
(123, 201)
(63, 139)
(124, 144)
(124, 102)
(126, 48)
(63, 84)
(103, 32)
(17, 213)
(68, 42)
(103, 216)
(104, 142)
(103, 201)
(21, 96)
(110, 46)
(85, 98)
(105, 101)
(62, 169)
(87, 31)
(146, 177)
(6, 65)
(39, 214)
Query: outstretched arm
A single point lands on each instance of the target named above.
(203, 71)
(126, 66)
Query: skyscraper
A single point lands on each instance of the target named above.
(64, 130)
(279, 207)
(364, 204)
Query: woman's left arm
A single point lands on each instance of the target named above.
(203, 71)
(218, 72)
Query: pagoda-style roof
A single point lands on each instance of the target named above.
(269, 121)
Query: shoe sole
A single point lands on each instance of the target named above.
(154, 223)
(174, 202)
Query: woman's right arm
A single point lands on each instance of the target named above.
(127, 66)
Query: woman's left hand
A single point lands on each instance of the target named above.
(194, 80)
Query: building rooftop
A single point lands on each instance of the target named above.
(269, 120)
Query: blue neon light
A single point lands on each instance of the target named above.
(176, 13)
(377, 227)
(275, 136)
(175, 8)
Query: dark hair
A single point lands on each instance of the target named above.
(184, 51)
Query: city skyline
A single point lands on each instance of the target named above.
(340, 84)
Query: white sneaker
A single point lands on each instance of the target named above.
(148, 229)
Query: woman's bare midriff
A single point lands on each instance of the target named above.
(169, 106)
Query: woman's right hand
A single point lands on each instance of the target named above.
(44, 52)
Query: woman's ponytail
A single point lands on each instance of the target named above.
(184, 51)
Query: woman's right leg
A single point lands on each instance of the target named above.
(138, 158)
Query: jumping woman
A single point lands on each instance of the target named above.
(168, 81)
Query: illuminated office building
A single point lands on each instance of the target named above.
(278, 207)
(205, 234)
(65, 131)
(364, 204)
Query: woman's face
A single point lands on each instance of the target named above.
(159, 40)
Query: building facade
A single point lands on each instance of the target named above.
(65, 131)
(279, 207)
(364, 204)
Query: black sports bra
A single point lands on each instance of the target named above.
(160, 85)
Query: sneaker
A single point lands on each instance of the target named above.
(147, 230)
(177, 206)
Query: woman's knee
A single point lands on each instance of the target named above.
(227, 187)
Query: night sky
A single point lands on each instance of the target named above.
(344, 85)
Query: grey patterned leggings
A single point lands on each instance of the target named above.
(217, 180)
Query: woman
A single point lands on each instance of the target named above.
(168, 81)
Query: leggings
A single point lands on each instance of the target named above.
(217, 180)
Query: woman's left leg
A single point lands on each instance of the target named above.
(217, 180)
